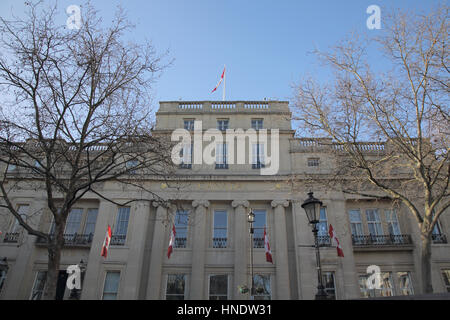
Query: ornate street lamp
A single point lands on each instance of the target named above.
(251, 220)
(312, 209)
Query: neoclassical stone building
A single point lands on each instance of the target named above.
(211, 255)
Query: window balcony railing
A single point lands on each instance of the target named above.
(381, 240)
(324, 241)
(11, 237)
(439, 238)
(72, 239)
(221, 165)
(219, 242)
(118, 239)
(180, 242)
(258, 242)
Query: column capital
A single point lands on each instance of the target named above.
(279, 202)
(237, 203)
(197, 203)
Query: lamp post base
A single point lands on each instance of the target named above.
(321, 294)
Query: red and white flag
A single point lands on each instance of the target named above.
(333, 237)
(106, 242)
(267, 247)
(220, 81)
(171, 241)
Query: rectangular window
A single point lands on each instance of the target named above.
(11, 167)
(111, 287)
(91, 220)
(374, 226)
(262, 288)
(22, 210)
(186, 156)
(221, 156)
(392, 222)
(176, 284)
(189, 124)
(258, 159)
(181, 228)
(446, 277)
(405, 283)
(220, 229)
(356, 225)
(121, 226)
(74, 221)
(258, 227)
(313, 162)
(322, 226)
(386, 287)
(222, 124)
(329, 284)
(257, 124)
(39, 285)
(218, 287)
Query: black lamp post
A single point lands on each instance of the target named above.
(312, 209)
(251, 219)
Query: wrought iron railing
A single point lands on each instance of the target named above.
(219, 242)
(11, 237)
(439, 238)
(324, 241)
(381, 240)
(118, 239)
(180, 242)
(72, 239)
(258, 242)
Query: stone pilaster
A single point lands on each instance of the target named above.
(157, 254)
(281, 250)
(198, 249)
(241, 243)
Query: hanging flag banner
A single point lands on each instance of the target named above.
(106, 242)
(267, 247)
(333, 237)
(171, 241)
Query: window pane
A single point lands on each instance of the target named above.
(175, 287)
(258, 227)
(404, 280)
(374, 222)
(111, 285)
(220, 226)
(218, 287)
(91, 221)
(392, 222)
(181, 227)
(322, 226)
(123, 215)
(328, 282)
(262, 287)
(446, 276)
(74, 221)
(39, 285)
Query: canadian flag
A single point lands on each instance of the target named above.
(221, 78)
(106, 242)
(333, 237)
(171, 241)
(267, 247)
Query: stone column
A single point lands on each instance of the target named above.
(136, 240)
(281, 250)
(157, 254)
(198, 249)
(241, 242)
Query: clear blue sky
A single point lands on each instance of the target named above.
(264, 44)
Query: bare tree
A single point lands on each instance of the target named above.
(75, 114)
(403, 110)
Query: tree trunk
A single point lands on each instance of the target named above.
(54, 258)
(427, 286)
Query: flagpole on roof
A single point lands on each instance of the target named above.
(224, 82)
